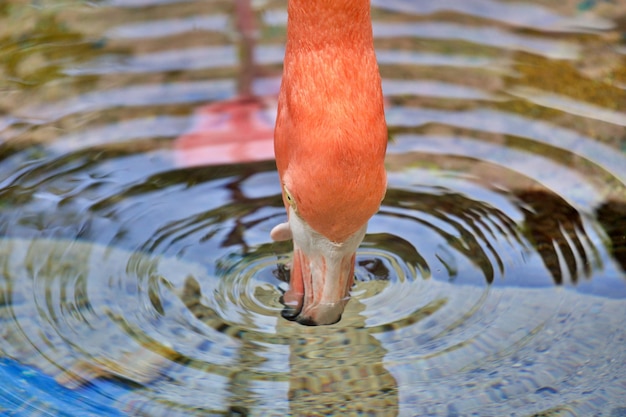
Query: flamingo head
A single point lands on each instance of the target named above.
(329, 204)
(329, 142)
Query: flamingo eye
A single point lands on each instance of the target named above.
(289, 198)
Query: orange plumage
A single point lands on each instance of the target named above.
(330, 135)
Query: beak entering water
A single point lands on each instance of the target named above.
(321, 275)
(319, 288)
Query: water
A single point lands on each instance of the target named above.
(136, 281)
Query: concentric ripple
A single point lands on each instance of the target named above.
(491, 282)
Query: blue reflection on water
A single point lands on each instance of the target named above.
(32, 392)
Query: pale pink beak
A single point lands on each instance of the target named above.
(322, 274)
(318, 289)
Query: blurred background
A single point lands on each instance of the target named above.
(137, 192)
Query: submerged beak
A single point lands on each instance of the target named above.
(319, 288)
(321, 275)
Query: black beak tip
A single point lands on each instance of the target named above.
(289, 313)
(293, 314)
(306, 321)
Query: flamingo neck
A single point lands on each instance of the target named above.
(314, 24)
(330, 135)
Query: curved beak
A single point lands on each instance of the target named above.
(322, 273)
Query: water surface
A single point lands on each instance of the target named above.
(136, 281)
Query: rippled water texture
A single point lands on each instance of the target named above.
(137, 276)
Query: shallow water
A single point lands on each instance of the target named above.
(134, 281)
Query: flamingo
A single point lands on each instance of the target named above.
(330, 140)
